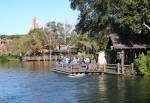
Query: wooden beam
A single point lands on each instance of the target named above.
(122, 61)
(118, 68)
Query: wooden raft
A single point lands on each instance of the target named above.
(115, 69)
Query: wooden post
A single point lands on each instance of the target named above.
(122, 61)
(118, 68)
(71, 69)
(132, 67)
(78, 68)
(104, 68)
(44, 57)
(62, 66)
(98, 67)
(55, 57)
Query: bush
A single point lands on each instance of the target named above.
(143, 64)
(6, 58)
(3, 59)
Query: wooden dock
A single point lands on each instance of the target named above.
(94, 69)
(38, 58)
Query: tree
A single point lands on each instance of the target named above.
(63, 33)
(20, 45)
(37, 38)
(94, 14)
(100, 17)
(95, 19)
(132, 14)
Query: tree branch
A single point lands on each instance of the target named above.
(146, 25)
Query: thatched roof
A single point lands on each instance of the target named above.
(130, 41)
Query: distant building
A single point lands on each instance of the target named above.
(4, 43)
(34, 23)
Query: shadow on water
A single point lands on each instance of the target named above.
(33, 82)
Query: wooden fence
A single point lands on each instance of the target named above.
(94, 69)
(38, 58)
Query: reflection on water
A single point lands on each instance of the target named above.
(33, 82)
(37, 65)
(120, 89)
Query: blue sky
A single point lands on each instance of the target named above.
(16, 15)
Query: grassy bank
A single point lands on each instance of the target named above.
(7, 58)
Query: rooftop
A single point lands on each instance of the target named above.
(130, 41)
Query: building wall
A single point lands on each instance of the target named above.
(4, 43)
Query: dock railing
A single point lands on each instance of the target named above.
(95, 68)
(37, 58)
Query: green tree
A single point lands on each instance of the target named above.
(63, 33)
(20, 45)
(132, 14)
(98, 18)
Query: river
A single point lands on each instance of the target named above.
(33, 82)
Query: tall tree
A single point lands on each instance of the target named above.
(99, 17)
(94, 14)
(132, 14)
(63, 33)
(96, 17)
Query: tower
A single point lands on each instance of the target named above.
(34, 23)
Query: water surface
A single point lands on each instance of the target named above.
(33, 82)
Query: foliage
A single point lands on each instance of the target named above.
(28, 43)
(3, 59)
(148, 59)
(132, 14)
(62, 32)
(11, 36)
(93, 14)
(40, 38)
(18, 46)
(94, 19)
(37, 39)
(100, 17)
(143, 64)
(6, 58)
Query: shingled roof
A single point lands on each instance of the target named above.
(130, 41)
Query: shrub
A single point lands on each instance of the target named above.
(3, 59)
(143, 64)
(6, 58)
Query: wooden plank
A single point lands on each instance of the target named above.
(93, 68)
(111, 64)
(109, 67)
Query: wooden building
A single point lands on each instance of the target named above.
(127, 47)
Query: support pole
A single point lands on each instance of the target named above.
(71, 69)
(104, 68)
(132, 67)
(55, 57)
(44, 57)
(122, 61)
(118, 68)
